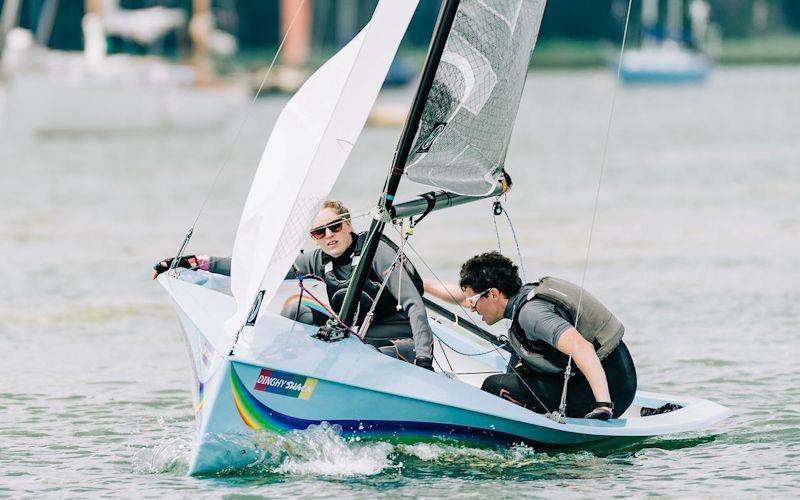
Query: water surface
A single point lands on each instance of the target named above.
(695, 246)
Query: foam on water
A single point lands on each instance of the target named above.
(169, 455)
(322, 451)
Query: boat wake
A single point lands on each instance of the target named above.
(171, 455)
(322, 451)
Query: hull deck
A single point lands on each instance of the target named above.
(282, 379)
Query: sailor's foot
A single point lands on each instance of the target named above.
(602, 411)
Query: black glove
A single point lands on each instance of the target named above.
(189, 262)
(426, 363)
(601, 411)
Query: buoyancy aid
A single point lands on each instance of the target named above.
(595, 323)
(337, 287)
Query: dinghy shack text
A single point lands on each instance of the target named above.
(285, 384)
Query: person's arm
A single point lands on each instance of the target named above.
(399, 284)
(307, 263)
(572, 343)
(219, 265)
(304, 264)
(445, 291)
(222, 265)
(540, 321)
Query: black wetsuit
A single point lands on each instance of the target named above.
(544, 323)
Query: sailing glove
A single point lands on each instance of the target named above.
(426, 363)
(189, 262)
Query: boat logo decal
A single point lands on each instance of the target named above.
(438, 128)
(285, 384)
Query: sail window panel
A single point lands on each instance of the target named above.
(467, 121)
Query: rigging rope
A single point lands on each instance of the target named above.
(229, 154)
(362, 331)
(428, 267)
(496, 230)
(497, 209)
(568, 371)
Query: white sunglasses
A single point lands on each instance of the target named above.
(473, 301)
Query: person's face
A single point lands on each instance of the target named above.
(490, 304)
(337, 234)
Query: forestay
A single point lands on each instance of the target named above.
(467, 121)
(310, 142)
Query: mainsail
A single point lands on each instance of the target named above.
(467, 121)
(310, 143)
(460, 122)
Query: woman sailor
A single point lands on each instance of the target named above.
(544, 336)
(399, 326)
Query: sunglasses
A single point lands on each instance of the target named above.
(319, 232)
(473, 301)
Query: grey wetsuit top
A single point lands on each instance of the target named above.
(408, 296)
(539, 319)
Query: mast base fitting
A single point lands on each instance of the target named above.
(332, 333)
(556, 417)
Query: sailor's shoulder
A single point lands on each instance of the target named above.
(313, 258)
(534, 308)
(384, 254)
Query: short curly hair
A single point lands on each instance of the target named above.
(490, 270)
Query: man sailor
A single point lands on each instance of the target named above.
(543, 334)
(400, 323)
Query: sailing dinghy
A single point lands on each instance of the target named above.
(257, 371)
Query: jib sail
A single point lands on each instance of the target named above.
(309, 145)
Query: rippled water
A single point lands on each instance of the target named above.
(695, 246)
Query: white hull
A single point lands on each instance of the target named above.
(282, 379)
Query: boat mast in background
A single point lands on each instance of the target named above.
(8, 19)
(200, 27)
(669, 52)
(296, 14)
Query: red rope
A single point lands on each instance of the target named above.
(303, 289)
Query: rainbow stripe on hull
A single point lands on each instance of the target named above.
(304, 300)
(258, 416)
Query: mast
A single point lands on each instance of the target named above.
(9, 17)
(200, 27)
(359, 276)
(298, 38)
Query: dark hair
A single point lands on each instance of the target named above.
(490, 270)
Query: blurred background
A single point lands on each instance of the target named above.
(119, 120)
(197, 62)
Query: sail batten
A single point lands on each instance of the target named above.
(466, 124)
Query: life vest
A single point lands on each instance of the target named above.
(595, 323)
(387, 303)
